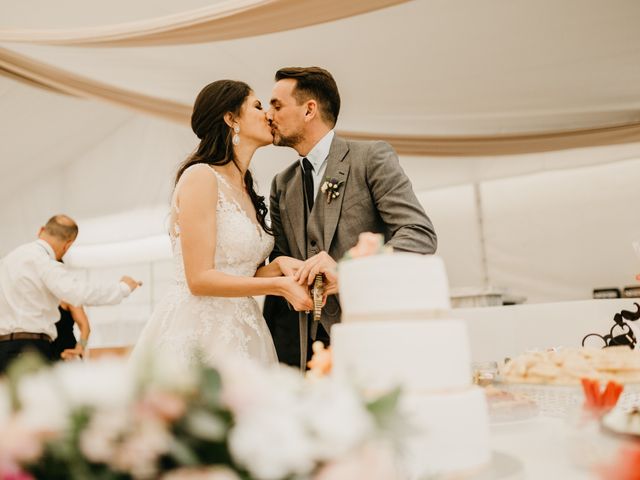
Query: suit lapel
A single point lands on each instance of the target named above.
(338, 168)
(294, 202)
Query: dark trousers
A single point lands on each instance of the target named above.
(285, 329)
(283, 322)
(13, 349)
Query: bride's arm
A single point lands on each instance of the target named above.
(282, 265)
(197, 198)
(272, 269)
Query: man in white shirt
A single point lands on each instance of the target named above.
(33, 282)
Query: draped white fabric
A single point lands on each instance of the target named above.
(224, 20)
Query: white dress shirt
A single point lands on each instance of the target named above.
(33, 283)
(318, 159)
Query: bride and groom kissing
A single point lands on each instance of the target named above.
(221, 238)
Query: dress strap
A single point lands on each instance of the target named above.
(220, 177)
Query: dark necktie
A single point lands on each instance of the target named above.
(307, 170)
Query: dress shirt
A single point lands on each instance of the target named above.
(32, 284)
(318, 159)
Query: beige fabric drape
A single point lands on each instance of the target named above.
(39, 74)
(20, 67)
(29, 81)
(425, 145)
(222, 21)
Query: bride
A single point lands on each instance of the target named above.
(220, 241)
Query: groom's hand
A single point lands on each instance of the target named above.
(322, 263)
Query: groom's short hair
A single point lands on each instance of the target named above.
(316, 83)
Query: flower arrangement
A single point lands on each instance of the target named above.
(101, 420)
(330, 188)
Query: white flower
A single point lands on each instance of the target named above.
(272, 445)
(104, 383)
(336, 418)
(166, 373)
(99, 440)
(139, 452)
(269, 437)
(43, 407)
(248, 386)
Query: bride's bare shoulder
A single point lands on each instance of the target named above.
(198, 179)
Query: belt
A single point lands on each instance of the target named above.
(25, 336)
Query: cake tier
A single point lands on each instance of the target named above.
(399, 282)
(420, 356)
(451, 433)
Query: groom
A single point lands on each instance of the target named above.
(370, 193)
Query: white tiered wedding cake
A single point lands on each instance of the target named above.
(397, 330)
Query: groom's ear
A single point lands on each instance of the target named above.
(312, 110)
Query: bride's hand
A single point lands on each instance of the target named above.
(288, 265)
(297, 295)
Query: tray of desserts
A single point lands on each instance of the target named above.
(553, 378)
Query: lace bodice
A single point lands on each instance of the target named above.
(241, 243)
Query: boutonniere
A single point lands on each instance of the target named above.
(330, 188)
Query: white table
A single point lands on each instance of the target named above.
(551, 448)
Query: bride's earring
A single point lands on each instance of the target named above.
(236, 137)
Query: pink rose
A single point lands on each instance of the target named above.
(16, 475)
(163, 405)
(18, 444)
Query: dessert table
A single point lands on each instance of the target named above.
(548, 447)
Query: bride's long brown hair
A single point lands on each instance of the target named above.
(216, 146)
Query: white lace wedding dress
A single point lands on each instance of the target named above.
(184, 327)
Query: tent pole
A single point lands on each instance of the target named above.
(483, 247)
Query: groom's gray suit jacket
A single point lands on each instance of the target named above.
(375, 196)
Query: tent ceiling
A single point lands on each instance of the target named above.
(44, 131)
(80, 13)
(430, 67)
(424, 67)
